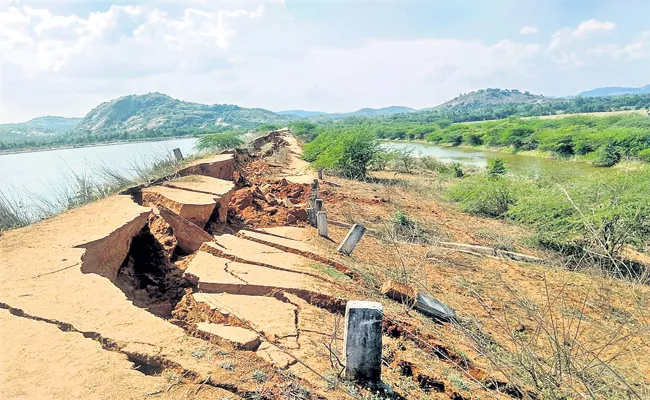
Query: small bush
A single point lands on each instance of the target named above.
(645, 155)
(496, 167)
(606, 156)
(485, 195)
(260, 376)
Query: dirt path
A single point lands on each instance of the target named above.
(83, 293)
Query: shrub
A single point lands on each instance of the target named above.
(606, 156)
(219, 141)
(496, 167)
(644, 155)
(304, 130)
(490, 196)
(596, 213)
(348, 152)
(405, 158)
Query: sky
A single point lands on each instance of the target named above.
(65, 57)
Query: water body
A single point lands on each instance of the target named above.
(529, 165)
(30, 178)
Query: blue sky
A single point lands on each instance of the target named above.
(64, 57)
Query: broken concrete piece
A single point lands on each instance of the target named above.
(221, 166)
(241, 338)
(189, 236)
(424, 303)
(197, 207)
(274, 355)
(351, 239)
(121, 219)
(363, 341)
(221, 189)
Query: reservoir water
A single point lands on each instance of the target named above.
(525, 164)
(32, 178)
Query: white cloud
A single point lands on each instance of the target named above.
(528, 30)
(588, 27)
(257, 54)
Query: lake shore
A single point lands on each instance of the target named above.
(97, 144)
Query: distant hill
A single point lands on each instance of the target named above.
(364, 112)
(156, 114)
(37, 130)
(492, 97)
(371, 112)
(615, 91)
(490, 104)
(41, 126)
(302, 113)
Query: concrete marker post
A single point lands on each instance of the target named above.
(178, 154)
(351, 239)
(311, 216)
(321, 222)
(363, 341)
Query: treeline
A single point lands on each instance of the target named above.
(80, 139)
(602, 141)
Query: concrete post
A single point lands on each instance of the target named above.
(178, 154)
(318, 205)
(321, 222)
(311, 216)
(351, 239)
(362, 341)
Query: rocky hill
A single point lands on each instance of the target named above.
(162, 114)
(492, 97)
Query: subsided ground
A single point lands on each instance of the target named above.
(220, 289)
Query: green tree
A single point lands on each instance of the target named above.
(219, 141)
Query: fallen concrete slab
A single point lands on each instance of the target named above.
(217, 274)
(221, 189)
(240, 338)
(119, 222)
(189, 236)
(275, 319)
(221, 166)
(196, 207)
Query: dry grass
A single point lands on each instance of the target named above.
(547, 329)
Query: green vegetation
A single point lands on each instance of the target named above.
(590, 216)
(219, 141)
(349, 153)
(600, 140)
(490, 196)
(496, 167)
